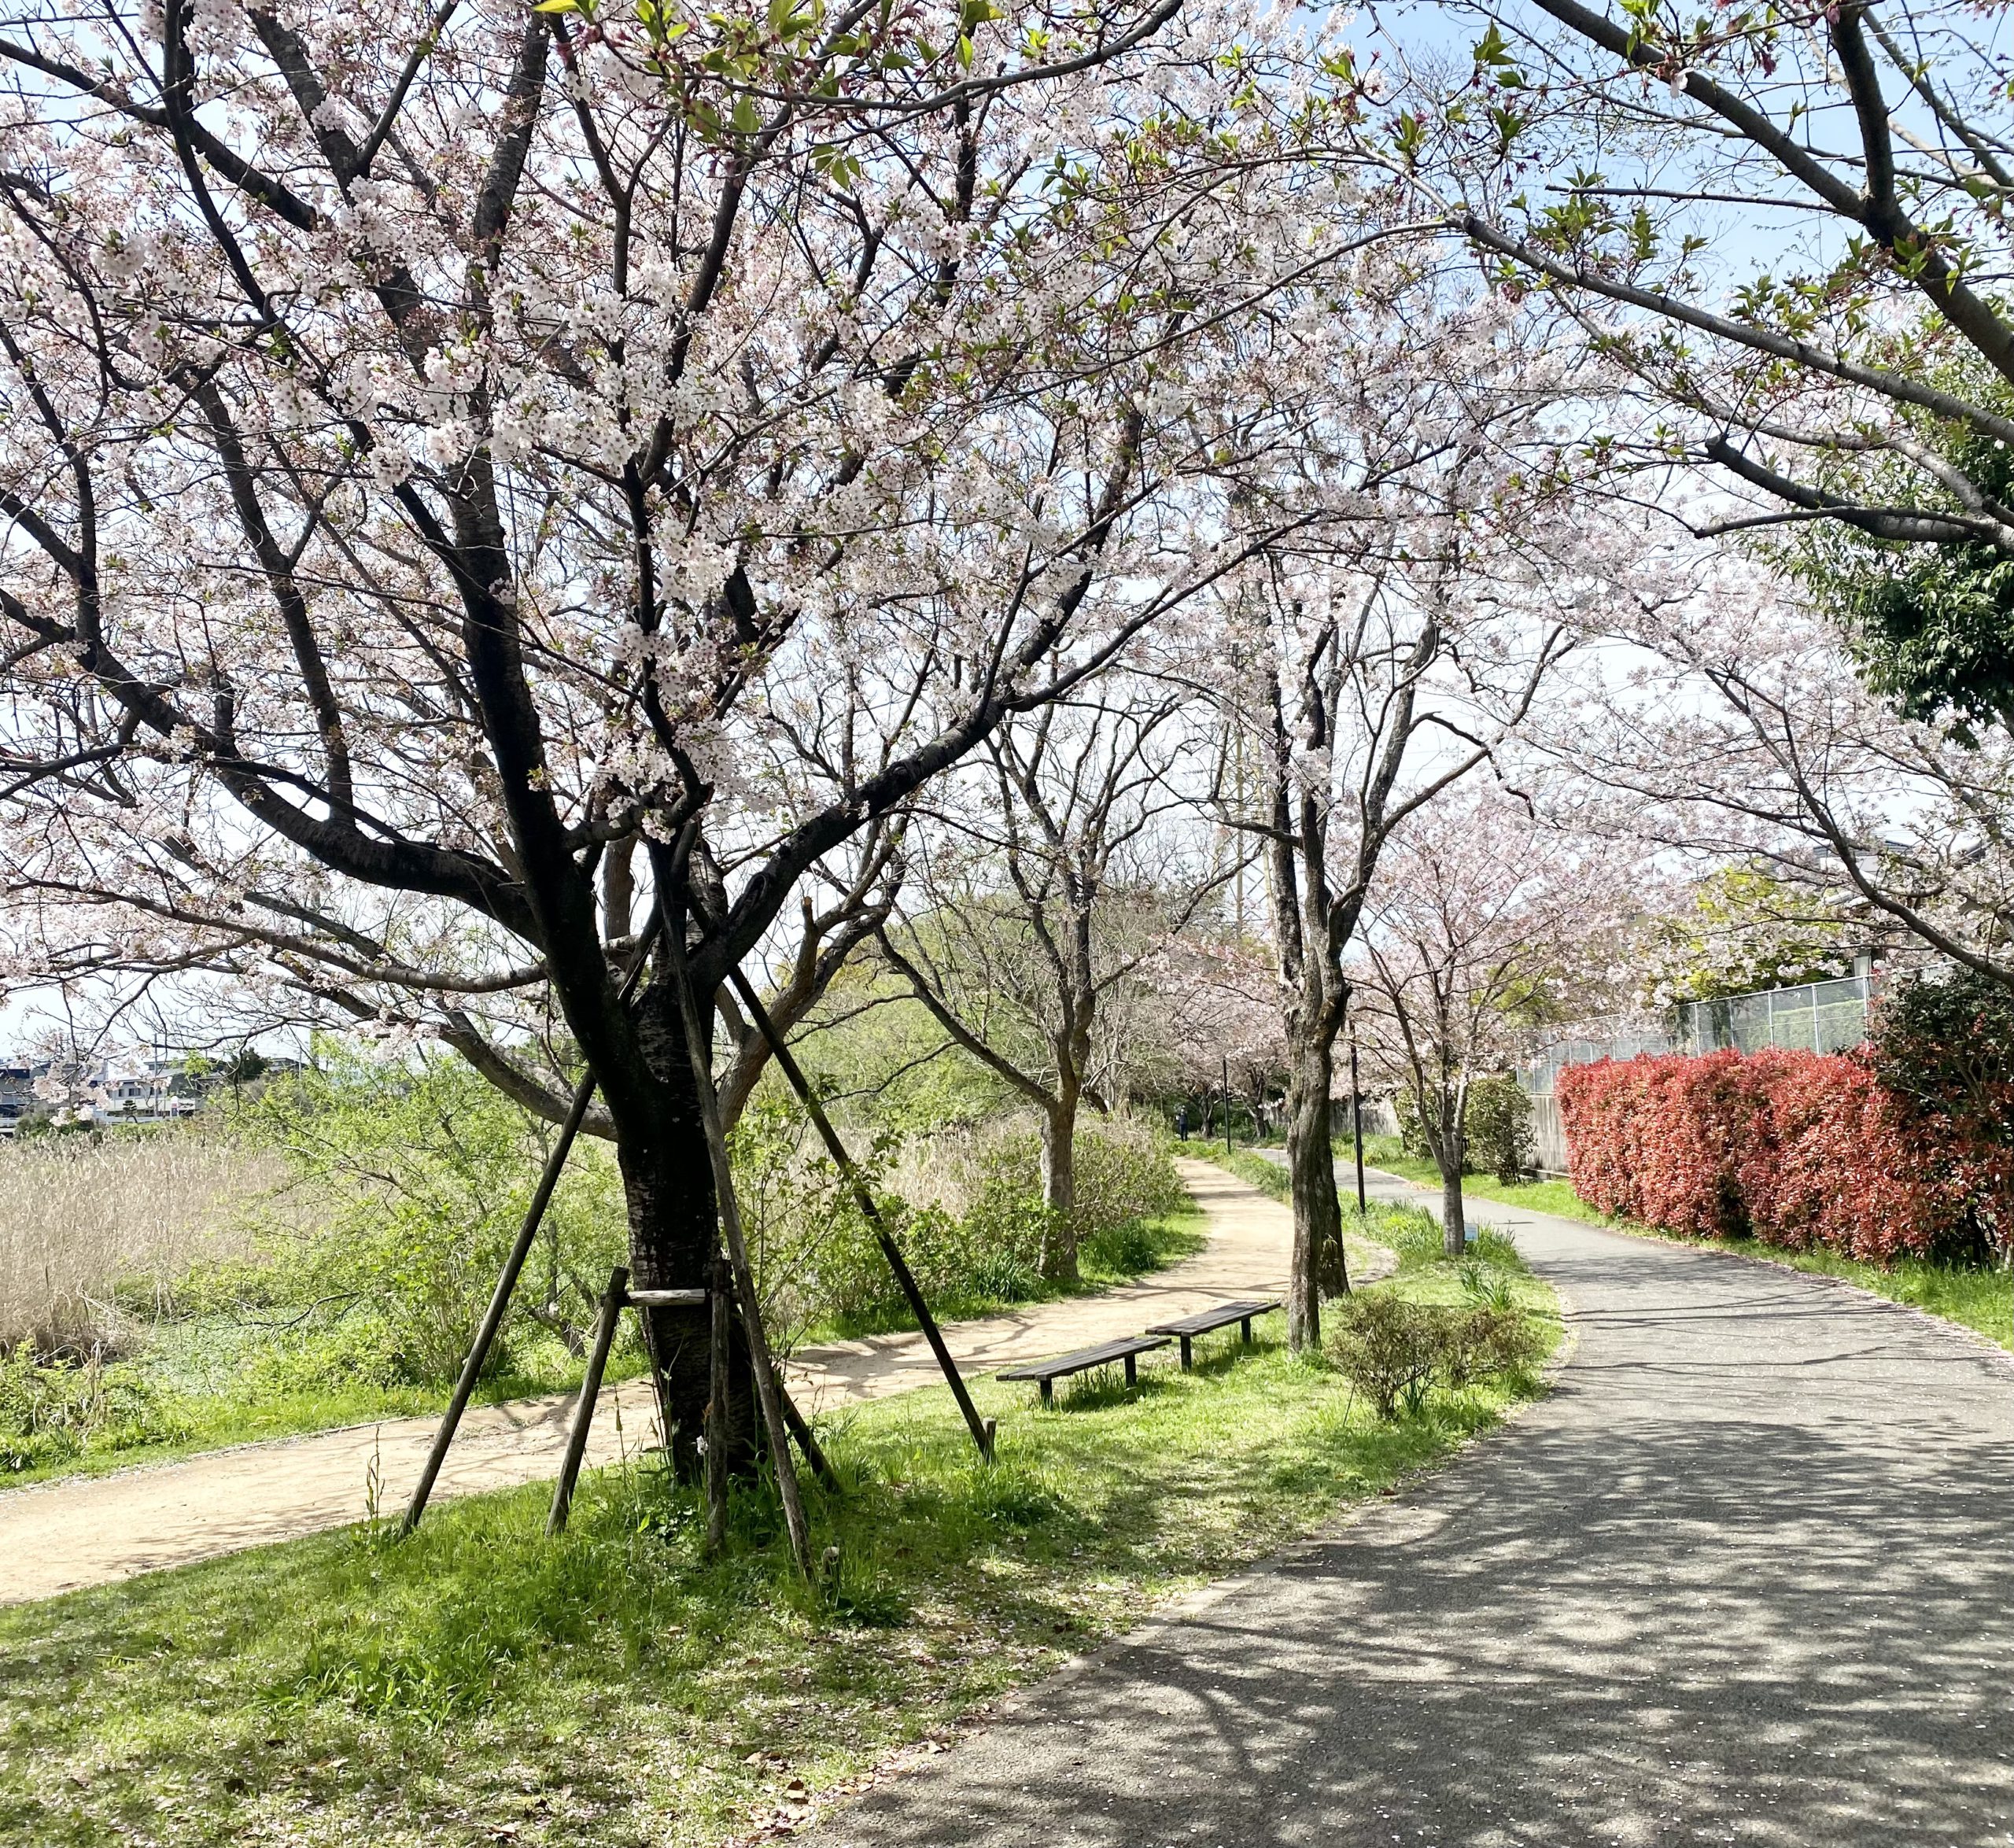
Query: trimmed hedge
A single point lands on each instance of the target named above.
(1796, 1150)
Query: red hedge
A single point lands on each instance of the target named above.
(1797, 1149)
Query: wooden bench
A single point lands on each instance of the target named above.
(1048, 1372)
(1187, 1328)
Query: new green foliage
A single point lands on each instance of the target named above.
(411, 1178)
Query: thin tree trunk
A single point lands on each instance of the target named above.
(1059, 1189)
(1450, 1150)
(1454, 1227)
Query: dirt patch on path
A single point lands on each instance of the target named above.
(60, 1536)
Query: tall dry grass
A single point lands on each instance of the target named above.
(83, 1221)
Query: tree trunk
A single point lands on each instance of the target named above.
(1454, 1227)
(1450, 1150)
(1058, 1190)
(1319, 1266)
(674, 1237)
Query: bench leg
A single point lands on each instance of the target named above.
(1188, 1354)
(1244, 1328)
(1132, 1373)
(1048, 1393)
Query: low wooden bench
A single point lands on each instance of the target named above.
(1187, 1328)
(1048, 1372)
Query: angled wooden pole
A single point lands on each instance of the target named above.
(612, 1301)
(1356, 1130)
(500, 1301)
(982, 1429)
(807, 1440)
(717, 1411)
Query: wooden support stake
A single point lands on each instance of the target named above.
(981, 1429)
(584, 1407)
(717, 1411)
(500, 1301)
(807, 1440)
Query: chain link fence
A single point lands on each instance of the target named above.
(1815, 1017)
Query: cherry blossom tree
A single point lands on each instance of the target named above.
(1481, 921)
(1219, 992)
(1380, 661)
(496, 496)
(1035, 900)
(1731, 726)
(1782, 224)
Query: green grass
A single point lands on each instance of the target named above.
(478, 1683)
(1972, 1295)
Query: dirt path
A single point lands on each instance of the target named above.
(61, 1536)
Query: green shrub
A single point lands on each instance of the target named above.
(1498, 1120)
(1496, 1124)
(1387, 1347)
(1392, 1350)
(1493, 1340)
(411, 1180)
(964, 1203)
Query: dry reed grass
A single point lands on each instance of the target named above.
(83, 1220)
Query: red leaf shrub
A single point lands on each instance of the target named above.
(1797, 1149)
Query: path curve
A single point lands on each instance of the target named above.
(59, 1536)
(1741, 1577)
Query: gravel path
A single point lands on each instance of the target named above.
(59, 1536)
(1743, 1576)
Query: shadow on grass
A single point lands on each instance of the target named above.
(388, 1685)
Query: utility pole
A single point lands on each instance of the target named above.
(1356, 1125)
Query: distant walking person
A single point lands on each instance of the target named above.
(1181, 1122)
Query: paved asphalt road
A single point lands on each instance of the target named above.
(1745, 1576)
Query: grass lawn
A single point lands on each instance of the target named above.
(480, 1684)
(201, 1415)
(1975, 1298)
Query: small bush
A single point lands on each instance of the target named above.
(1495, 1340)
(1497, 1126)
(966, 1205)
(1388, 1348)
(1498, 1121)
(1392, 1350)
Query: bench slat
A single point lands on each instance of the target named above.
(1084, 1358)
(1207, 1321)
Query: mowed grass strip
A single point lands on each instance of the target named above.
(477, 1683)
